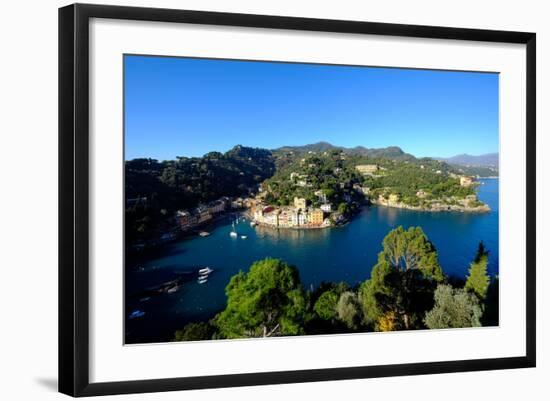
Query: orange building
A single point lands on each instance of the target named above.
(316, 217)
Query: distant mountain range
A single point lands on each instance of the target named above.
(486, 160)
(394, 152)
(390, 152)
(482, 165)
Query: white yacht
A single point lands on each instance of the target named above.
(233, 232)
(205, 271)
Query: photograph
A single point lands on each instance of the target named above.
(271, 199)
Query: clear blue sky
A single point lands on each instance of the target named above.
(188, 107)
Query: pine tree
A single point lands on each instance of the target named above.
(403, 280)
(267, 301)
(478, 280)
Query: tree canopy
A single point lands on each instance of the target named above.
(403, 279)
(478, 280)
(325, 307)
(266, 301)
(454, 308)
(410, 249)
(348, 310)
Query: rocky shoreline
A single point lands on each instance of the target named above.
(438, 206)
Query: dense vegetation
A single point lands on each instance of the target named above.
(334, 172)
(390, 152)
(406, 290)
(435, 178)
(155, 190)
(158, 189)
(303, 177)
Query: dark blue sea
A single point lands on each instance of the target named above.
(338, 254)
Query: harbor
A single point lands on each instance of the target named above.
(340, 254)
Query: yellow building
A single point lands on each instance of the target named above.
(316, 217)
(300, 203)
(367, 169)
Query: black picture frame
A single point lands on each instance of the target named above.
(74, 198)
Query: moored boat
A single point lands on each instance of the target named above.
(135, 314)
(173, 289)
(205, 271)
(233, 232)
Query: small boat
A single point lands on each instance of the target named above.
(202, 281)
(243, 236)
(203, 277)
(135, 314)
(205, 271)
(204, 233)
(173, 289)
(144, 299)
(233, 232)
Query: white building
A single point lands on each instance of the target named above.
(298, 218)
(321, 195)
(271, 218)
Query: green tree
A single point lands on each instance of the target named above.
(343, 208)
(403, 279)
(348, 310)
(266, 301)
(325, 307)
(454, 308)
(367, 299)
(409, 249)
(478, 280)
(195, 332)
(407, 295)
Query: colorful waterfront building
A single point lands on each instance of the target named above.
(183, 218)
(285, 218)
(302, 218)
(203, 214)
(272, 218)
(296, 218)
(217, 206)
(316, 217)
